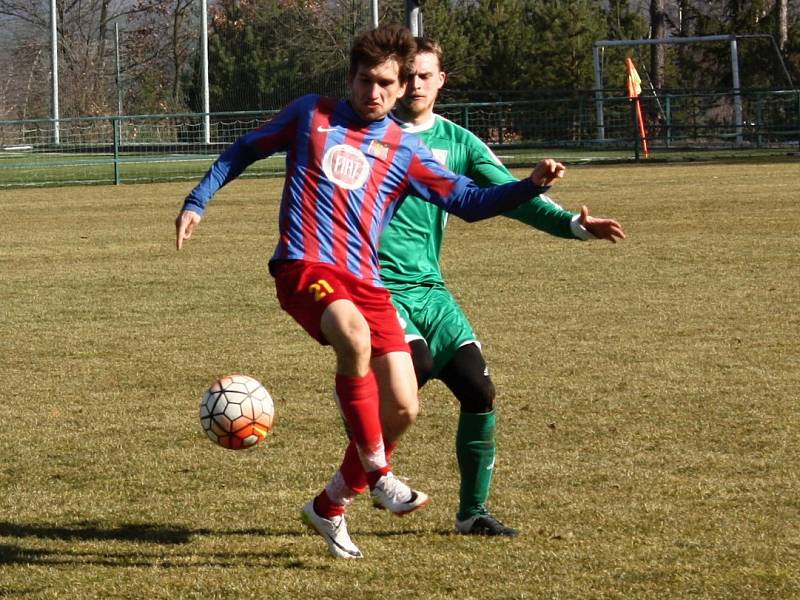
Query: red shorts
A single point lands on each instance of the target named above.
(305, 289)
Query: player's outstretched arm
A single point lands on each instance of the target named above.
(547, 171)
(602, 229)
(185, 223)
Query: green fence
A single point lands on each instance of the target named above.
(581, 126)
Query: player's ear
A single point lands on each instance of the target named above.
(442, 79)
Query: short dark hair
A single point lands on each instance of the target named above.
(429, 46)
(381, 44)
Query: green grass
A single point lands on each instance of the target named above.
(50, 169)
(41, 169)
(648, 430)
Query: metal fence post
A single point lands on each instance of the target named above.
(636, 141)
(759, 120)
(501, 125)
(668, 119)
(116, 126)
(797, 129)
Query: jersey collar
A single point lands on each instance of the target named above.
(408, 127)
(357, 122)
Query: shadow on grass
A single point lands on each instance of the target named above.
(138, 555)
(403, 532)
(139, 533)
(155, 534)
(11, 554)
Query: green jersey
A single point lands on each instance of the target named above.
(411, 243)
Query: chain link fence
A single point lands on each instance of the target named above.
(124, 149)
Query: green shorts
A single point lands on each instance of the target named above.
(432, 314)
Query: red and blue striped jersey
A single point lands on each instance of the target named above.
(345, 178)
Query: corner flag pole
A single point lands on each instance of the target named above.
(634, 86)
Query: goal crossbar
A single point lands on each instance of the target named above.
(599, 45)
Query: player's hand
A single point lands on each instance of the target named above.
(602, 229)
(184, 226)
(547, 171)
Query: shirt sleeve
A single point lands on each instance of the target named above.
(274, 136)
(539, 212)
(461, 196)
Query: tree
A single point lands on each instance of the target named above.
(159, 43)
(625, 21)
(263, 53)
(783, 24)
(157, 40)
(658, 30)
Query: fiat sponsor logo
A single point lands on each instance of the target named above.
(346, 166)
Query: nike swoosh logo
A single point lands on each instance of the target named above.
(322, 129)
(342, 548)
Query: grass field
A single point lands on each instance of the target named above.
(649, 432)
(25, 169)
(39, 169)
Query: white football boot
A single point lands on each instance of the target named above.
(334, 530)
(395, 496)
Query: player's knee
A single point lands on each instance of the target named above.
(468, 378)
(350, 337)
(353, 355)
(479, 397)
(400, 418)
(359, 342)
(408, 415)
(423, 361)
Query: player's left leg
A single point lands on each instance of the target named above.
(467, 376)
(399, 408)
(421, 356)
(398, 393)
(394, 375)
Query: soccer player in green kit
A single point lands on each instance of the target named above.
(442, 340)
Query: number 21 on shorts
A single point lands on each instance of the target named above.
(320, 289)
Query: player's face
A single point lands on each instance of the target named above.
(423, 86)
(374, 90)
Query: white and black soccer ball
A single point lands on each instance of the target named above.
(236, 412)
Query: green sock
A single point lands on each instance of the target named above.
(475, 450)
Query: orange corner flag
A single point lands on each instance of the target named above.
(634, 86)
(634, 82)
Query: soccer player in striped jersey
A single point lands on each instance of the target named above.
(348, 167)
(442, 340)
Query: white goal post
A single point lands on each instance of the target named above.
(598, 46)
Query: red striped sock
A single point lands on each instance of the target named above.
(359, 402)
(373, 476)
(353, 471)
(325, 508)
